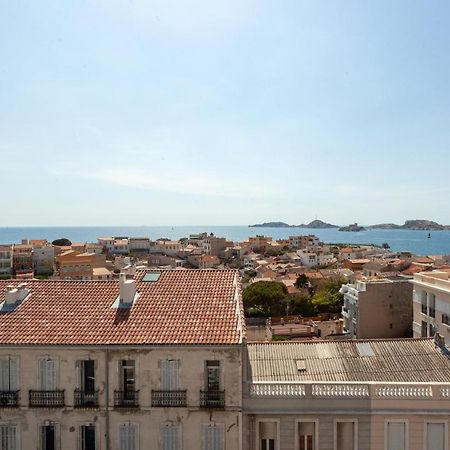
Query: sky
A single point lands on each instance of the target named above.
(163, 112)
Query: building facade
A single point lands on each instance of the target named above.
(378, 308)
(144, 362)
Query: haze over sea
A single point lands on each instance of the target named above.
(406, 240)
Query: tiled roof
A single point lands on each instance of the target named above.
(393, 360)
(182, 307)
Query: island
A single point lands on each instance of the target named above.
(352, 227)
(272, 225)
(416, 224)
(318, 224)
(315, 224)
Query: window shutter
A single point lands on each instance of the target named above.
(13, 374)
(78, 374)
(165, 386)
(127, 437)
(4, 374)
(170, 437)
(50, 375)
(173, 375)
(41, 375)
(212, 437)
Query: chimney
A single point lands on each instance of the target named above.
(127, 290)
(11, 295)
(23, 291)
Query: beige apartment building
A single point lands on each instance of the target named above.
(73, 265)
(150, 362)
(378, 308)
(431, 302)
(347, 395)
(6, 260)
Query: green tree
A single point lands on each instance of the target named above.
(327, 297)
(265, 298)
(301, 281)
(300, 304)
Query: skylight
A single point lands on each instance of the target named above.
(365, 349)
(151, 277)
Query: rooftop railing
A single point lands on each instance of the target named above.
(363, 390)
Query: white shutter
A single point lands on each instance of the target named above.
(50, 375)
(212, 437)
(8, 437)
(169, 374)
(127, 437)
(14, 374)
(4, 374)
(41, 375)
(436, 436)
(396, 436)
(170, 437)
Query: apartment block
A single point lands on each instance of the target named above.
(6, 260)
(23, 258)
(301, 242)
(73, 265)
(378, 308)
(432, 304)
(43, 258)
(346, 395)
(153, 361)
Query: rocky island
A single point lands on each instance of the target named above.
(417, 224)
(315, 224)
(352, 227)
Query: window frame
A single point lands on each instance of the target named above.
(17, 428)
(80, 436)
(168, 424)
(355, 431)
(213, 424)
(258, 438)
(129, 424)
(425, 432)
(386, 426)
(57, 433)
(316, 432)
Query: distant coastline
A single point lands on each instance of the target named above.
(415, 224)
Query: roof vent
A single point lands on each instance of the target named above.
(16, 294)
(127, 290)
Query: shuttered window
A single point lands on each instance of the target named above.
(9, 437)
(436, 436)
(47, 375)
(128, 437)
(396, 436)
(9, 375)
(169, 374)
(212, 437)
(170, 437)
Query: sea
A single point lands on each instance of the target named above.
(418, 242)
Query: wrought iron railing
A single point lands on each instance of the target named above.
(9, 398)
(85, 399)
(126, 399)
(175, 399)
(212, 399)
(46, 399)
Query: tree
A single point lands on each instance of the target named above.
(62, 242)
(300, 304)
(301, 281)
(265, 299)
(327, 297)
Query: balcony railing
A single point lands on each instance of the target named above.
(212, 399)
(126, 399)
(175, 399)
(85, 399)
(9, 399)
(46, 399)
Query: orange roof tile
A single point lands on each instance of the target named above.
(182, 307)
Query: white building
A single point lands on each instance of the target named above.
(431, 299)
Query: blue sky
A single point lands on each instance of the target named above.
(163, 112)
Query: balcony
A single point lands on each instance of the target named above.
(126, 399)
(212, 399)
(84, 399)
(9, 399)
(46, 399)
(176, 399)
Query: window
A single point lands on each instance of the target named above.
(9, 374)
(268, 435)
(170, 437)
(307, 436)
(9, 437)
(396, 436)
(170, 374)
(436, 436)
(47, 437)
(213, 375)
(212, 437)
(128, 437)
(445, 319)
(267, 444)
(87, 437)
(86, 374)
(127, 375)
(47, 375)
(345, 435)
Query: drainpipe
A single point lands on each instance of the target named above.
(107, 398)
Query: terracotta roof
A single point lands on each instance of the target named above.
(182, 307)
